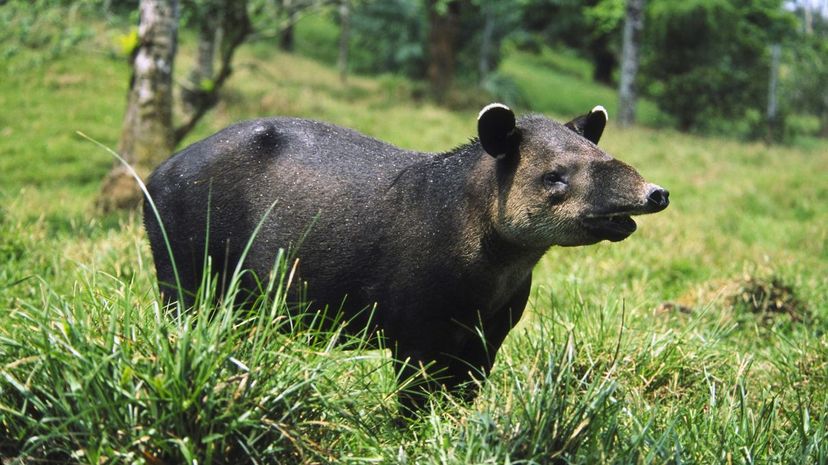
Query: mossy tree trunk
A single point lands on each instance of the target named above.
(147, 134)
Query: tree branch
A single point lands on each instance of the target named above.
(236, 25)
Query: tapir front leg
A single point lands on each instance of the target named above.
(465, 354)
(477, 357)
(428, 362)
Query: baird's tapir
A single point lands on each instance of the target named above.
(433, 250)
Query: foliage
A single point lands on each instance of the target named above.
(503, 20)
(127, 43)
(402, 26)
(591, 27)
(806, 87)
(705, 62)
(270, 18)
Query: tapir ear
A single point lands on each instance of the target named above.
(496, 130)
(590, 125)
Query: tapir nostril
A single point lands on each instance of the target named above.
(659, 197)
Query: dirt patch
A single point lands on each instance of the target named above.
(765, 298)
(769, 298)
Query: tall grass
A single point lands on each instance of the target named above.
(115, 375)
(105, 374)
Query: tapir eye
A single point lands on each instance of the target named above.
(554, 180)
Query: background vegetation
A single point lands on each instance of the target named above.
(701, 339)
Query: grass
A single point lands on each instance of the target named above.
(633, 352)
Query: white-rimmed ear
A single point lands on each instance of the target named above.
(496, 129)
(590, 125)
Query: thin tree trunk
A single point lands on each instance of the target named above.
(824, 117)
(200, 81)
(286, 37)
(808, 23)
(603, 61)
(486, 42)
(441, 37)
(234, 27)
(773, 107)
(344, 38)
(633, 25)
(147, 134)
(824, 114)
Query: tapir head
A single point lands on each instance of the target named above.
(555, 186)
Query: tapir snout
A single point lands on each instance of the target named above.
(658, 198)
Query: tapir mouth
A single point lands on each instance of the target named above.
(613, 227)
(617, 225)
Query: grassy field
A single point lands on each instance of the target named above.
(700, 339)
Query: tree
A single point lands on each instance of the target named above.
(344, 38)
(443, 20)
(200, 79)
(233, 29)
(633, 25)
(488, 23)
(604, 19)
(591, 27)
(484, 66)
(773, 96)
(422, 40)
(806, 87)
(286, 38)
(147, 134)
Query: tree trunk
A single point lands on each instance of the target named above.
(344, 38)
(443, 27)
(200, 82)
(773, 108)
(824, 119)
(147, 135)
(286, 37)
(603, 61)
(234, 27)
(633, 25)
(808, 23)
(486, 42)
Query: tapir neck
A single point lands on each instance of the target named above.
(480, 190)
(495, 247)
(451, 195)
